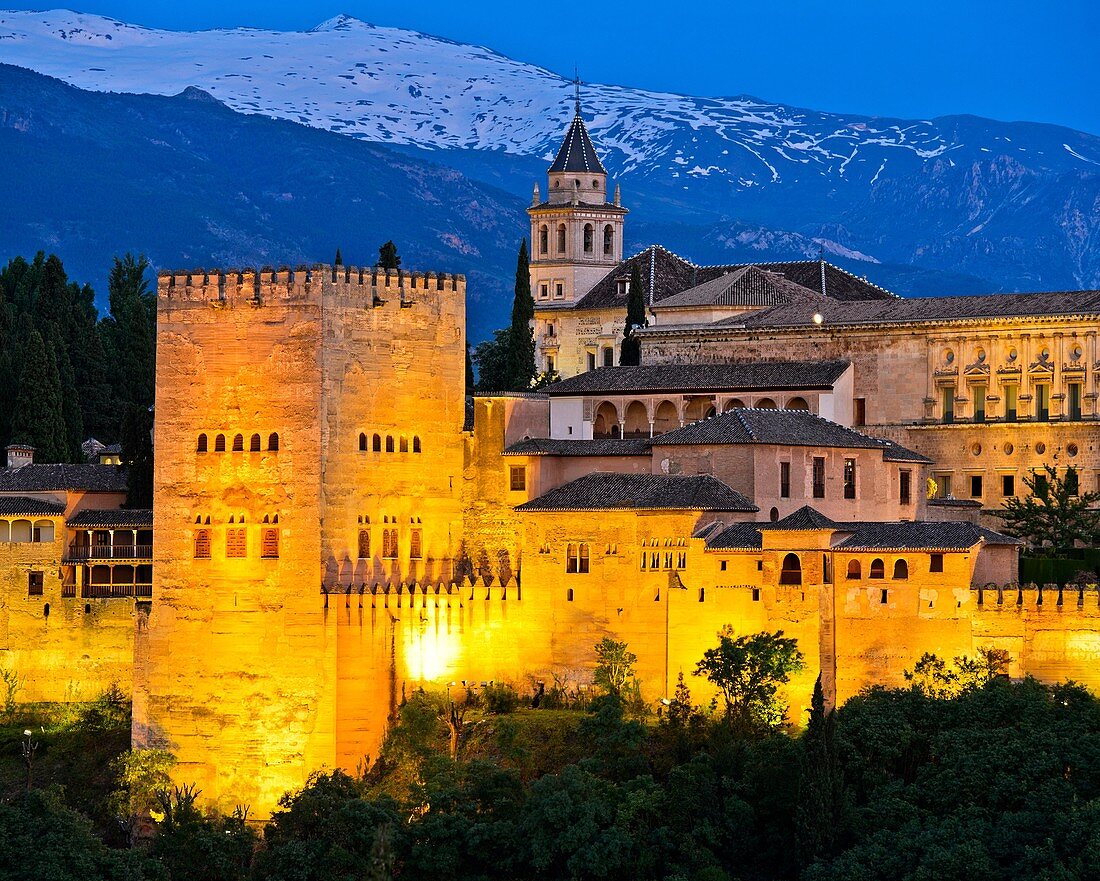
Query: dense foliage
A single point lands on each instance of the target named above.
(1055, 516)
(70, 375)
(506, 363)
(999, 780)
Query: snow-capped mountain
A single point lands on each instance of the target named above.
(955, 193)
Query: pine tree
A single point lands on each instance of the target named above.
(37, 418)
(339, 259)
(388, 257)
(821, 795)
(521, 339)
(631, 352)
(137, 455)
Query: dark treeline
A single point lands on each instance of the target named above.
(71, 375)
(964, 776)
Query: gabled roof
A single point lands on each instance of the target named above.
(544, 446)
(804, 519)
(55, 478)
(909, 535)
(737, 536)
(666, 274)
(798, 428)
(11, 506)
(917, 310)
(113, 518)
(745, 286)
(576, 152)
(604, 491)
(754, 375)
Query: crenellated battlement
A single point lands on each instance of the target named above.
(418, 596)
(1035, 596)
(371, 287)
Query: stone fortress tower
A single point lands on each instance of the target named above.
(308, 446)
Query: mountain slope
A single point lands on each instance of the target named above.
(191, 183)
(955, 204)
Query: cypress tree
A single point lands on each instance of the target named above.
(821, 785)
(339, 259)
(137, 455)
(469, 370)
(37, 418)
(631, 352)
(388, 257)
(129, 336)
(521, 339)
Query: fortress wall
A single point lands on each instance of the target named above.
(77, 650)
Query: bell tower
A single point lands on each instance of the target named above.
(576, 233)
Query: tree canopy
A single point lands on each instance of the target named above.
(1055, 515)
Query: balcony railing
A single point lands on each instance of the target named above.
(84, 553)
(102, 591)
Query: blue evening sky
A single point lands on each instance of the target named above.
(1006, 59)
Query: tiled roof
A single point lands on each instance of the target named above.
(805, 518)
(916, 310)
(53, 478)
(114, 518)
(607, 207)
(544, 446)
(11, 506)
(910, 535)
(603, 491)
(747, 286)
(577, 152)
(954, 503)
(666, 274)
(772, 375)
(737, 536)
(798, 428)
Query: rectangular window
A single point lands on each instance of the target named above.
(1042, 403)
(269, 543)
(364, 544)
(576, 558)
(608, 356)
(1008, 484)
(975, 486)
(784, 480)
(905, 487)
(416, 545)
(849, 478)
(549, 363)
(559, 290)
(819, 477)
(544, 289)
(860, 415)
(35, 583)
(1010, 402)
(935, 563)
(979, 402)
(236, 542)
(947, 404)
(722, 565)
(517, 478)
(591, 360)
(1040, 484)
(944, 482)
(202, 544)
(1073, 401)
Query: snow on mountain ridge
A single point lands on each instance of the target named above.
(399, 86)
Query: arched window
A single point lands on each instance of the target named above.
(576, 558)
(202, 444)
(901, 570)
(765, 404)
(362, 442)
(608, 240)
(561, 238)
(254, 444)
(589, 235)
(791, 573)
(774, 515)
(855, 571)
(878, 569)
(273, 442)
(389, 443)
(544, 239)
(404, 444)
(364, 544)
(734, 404)
(415, 545)
(389, 543)
(238, 443)
(376, 443)
(219, 444)
(797, 404)
(416, 444)
(606, 422)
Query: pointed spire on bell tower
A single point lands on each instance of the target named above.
(577, 91)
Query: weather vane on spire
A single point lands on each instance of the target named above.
(577, 89)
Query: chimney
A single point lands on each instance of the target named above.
(20, 455)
